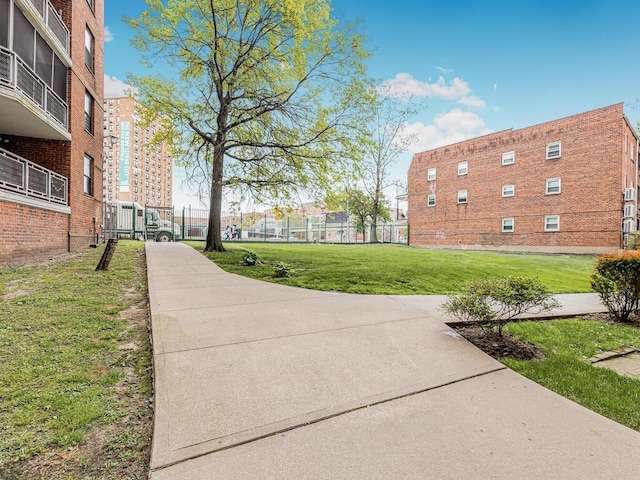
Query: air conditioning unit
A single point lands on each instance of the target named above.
(629, 194)
(629, 211)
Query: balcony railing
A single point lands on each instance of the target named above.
(53, 21)
(19, 175)
(17, 75)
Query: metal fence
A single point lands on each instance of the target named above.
(332, 227)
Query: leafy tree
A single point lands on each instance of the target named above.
(493, 302)
(617, 280)
(359, 205)
(388, 139)
(265, 95)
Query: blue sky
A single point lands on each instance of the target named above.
(481, 66)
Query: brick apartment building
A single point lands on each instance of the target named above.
(51, 89)
(569, 185)
(134, 170)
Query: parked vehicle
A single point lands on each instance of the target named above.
(131, 220)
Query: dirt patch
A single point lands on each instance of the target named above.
(500, 346)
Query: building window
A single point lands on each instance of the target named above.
(462, 196)
(508, 158)
(554, 150)
(89, 43)
(508, 190)
(507, 225)
(431, 200)
(88, 174)
(463, 167)
(88, 112)
(431, 174)
(91, 4)
(552, 223)
(553, 186)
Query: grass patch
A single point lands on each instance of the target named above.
(567, 344)
(394, 269)
(75, 381)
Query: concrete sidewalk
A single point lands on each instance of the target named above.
(260, 381)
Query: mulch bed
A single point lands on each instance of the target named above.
(500, 346)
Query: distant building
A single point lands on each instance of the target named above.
(51, 88)
(133, 170)
(565, 185)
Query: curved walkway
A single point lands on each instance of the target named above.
(255, 380)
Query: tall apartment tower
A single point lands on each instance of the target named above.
(568, 185)
(133, 169)
(51, 87)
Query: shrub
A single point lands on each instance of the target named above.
(493, 302)
(281, 270)
(250, 259)
(617, 281)
(633, 241)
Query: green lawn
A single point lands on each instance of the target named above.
(567, 344)
(396, 269)
(75, 381)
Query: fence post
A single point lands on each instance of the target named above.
(288, 229)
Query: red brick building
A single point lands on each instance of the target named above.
(569, 185)
(51, 89)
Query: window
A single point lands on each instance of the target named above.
(462, 196)
(629, 226)
(89, 42)
(508, 158)
(91, 4)
(508, 190)
(88, 112)
(507, 225)
(88, 174)
(553, 186)
(463, 167)
(554, 150)
(431, 200)
(431, 174)
(552, 223)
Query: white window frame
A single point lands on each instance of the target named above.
(463, 167)
(629, 211)
(551, 150)
(508, 190)
(431, 200)
(463, 196)
(547, 218)
(630, 194)
(629, 226)
(506, 223)
(87, 186)
(509, 158)
(431, 174)
(548, 186)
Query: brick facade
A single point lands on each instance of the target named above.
(597, 161)
(39, 232)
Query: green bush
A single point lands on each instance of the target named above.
(250, 259)
(493, 302)
(617, 281)
(281, 270)
(633, 241)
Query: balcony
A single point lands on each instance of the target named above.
(52, 20)
(23, 177)
(30, 107)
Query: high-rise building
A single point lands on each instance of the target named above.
(134, 169)
(51, 89)
(568, 185)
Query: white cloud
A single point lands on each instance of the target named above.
(472, 101)
(404, 84)
(108, 36)
(495, 86)
(114, 87)
(444, 70)
(447, 128)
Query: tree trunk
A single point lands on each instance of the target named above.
(373, 237)
(214, 232)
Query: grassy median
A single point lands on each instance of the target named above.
(75, 382)
(396, 269)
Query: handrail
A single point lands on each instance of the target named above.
(53, 20)
(23, 176)
(17, 75)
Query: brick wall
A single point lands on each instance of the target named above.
(591, 178)
(30, 234)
